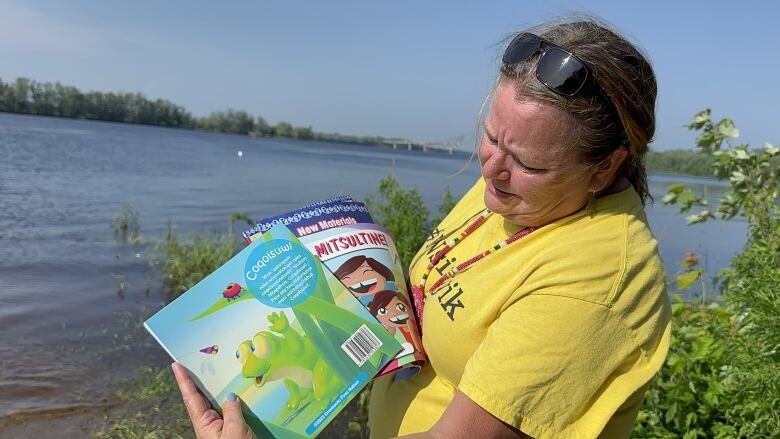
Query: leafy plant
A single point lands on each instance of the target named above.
(403, 213)
(127, 225)
(722, 375)
(753, 176)
(185, 262)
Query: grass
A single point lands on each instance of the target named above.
(185, 262)
(150, 407)
(127, 225)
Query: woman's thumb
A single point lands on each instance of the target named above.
(231, 414)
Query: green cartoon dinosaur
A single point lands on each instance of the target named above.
(282, 353)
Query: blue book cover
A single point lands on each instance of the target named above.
(278, 329)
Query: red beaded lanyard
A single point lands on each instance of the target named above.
(418, 291)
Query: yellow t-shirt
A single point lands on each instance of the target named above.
(557, 334)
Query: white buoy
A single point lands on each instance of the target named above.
(240, 153)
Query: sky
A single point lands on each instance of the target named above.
(408, 69)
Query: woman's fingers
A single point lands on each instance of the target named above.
(197, 406)
(205, 420)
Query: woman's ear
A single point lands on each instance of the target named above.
(606, 172)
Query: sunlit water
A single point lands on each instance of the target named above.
(66, 335)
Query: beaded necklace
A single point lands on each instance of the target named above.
(419, 292)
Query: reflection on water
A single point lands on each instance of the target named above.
(66, 337)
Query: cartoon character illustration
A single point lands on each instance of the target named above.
(364, 277)
(392, 310)
(213, 350)
(281, 353)
(232, 291)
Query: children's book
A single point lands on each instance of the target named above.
(326, 214)
(274, 326)
(364, 257)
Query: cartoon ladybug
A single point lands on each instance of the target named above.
(232, 291)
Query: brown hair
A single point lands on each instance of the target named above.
(354, 262)
(624, 75)
(382, 298)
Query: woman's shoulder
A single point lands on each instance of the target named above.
(600, 254)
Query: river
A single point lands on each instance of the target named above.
(66, 331)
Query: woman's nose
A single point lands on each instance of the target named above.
(495, 165)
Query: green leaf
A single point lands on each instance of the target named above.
(675, 188)
(771, 149)
(741, 154)
(706, 139)
(687, 279)
(700, 119)
(222, 303)
(737, 177)
(670, 414)
(700, 217)
(686, 197)
(727, 129)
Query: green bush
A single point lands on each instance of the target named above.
(185, 262)
(686, 400)
(403, 213)
(722, 376)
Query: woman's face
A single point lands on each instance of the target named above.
(364, 280)
(531, 178)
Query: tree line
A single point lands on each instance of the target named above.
(26, 96)
(680, 161)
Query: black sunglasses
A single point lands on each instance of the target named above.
(559, 70)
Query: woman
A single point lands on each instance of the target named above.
(542, 293)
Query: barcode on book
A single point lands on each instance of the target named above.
(361, 345)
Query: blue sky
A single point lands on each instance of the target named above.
(402, 68)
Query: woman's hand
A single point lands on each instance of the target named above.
(206, 421)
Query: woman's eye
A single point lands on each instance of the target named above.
(526, 168)
(400, 307)
(491, 140)
(382, 311)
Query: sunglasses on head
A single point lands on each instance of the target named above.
(559, 70)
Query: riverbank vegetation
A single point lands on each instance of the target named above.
(26, 96)
(722, 375)
(680, 161)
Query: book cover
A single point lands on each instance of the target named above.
(325, 214)
(364, 257)
(278, 329)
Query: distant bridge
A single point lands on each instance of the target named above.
(449, 146)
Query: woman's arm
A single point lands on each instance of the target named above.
(463, 418)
